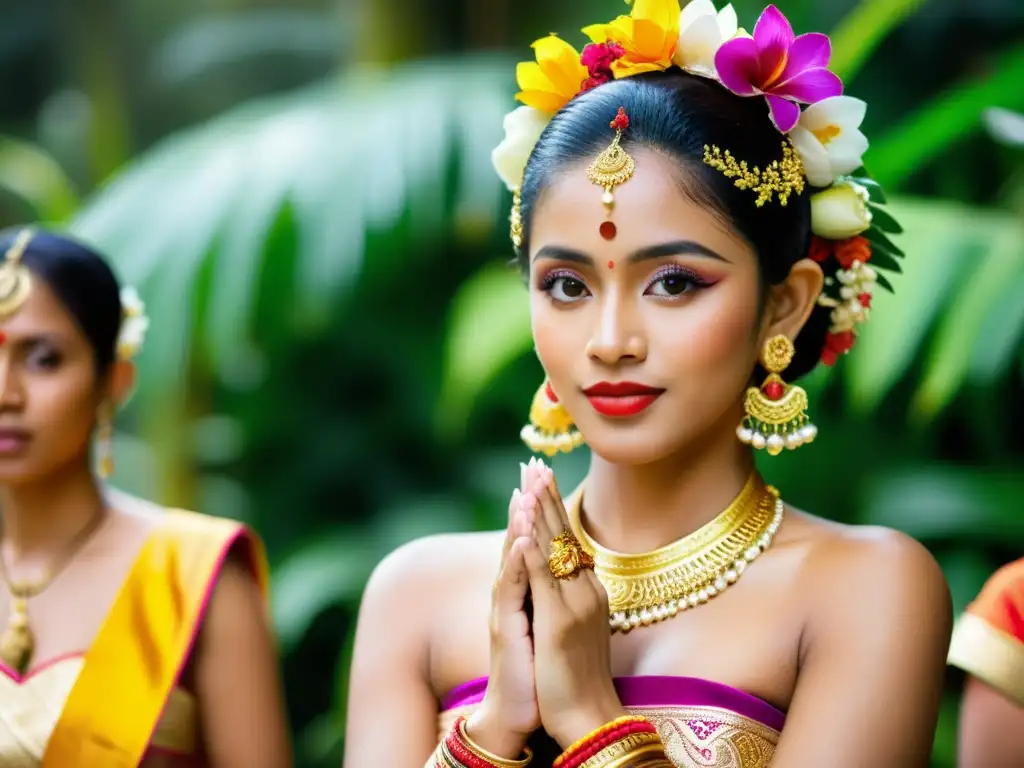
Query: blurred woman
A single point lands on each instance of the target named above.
(673, 611)
(988, 644)
(131, 635)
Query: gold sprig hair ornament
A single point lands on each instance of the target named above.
(821, 143)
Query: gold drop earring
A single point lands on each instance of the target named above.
(104, 441)
(551, 427)
(776, 412)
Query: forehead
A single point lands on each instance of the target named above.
(651, 207)
(42, 312)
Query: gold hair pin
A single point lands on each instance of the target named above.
(15, 278)
(612, 167)
(783, 177)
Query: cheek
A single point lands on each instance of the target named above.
(63, 407)
(556, 333)
(720, 335)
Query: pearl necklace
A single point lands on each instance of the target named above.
(653, 586)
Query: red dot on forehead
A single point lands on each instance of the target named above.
(3, 337)
(607, 230)
(611, 265)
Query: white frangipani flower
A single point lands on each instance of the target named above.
(702, 30)
(828, 138)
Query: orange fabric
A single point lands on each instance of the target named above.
(142, 647)
(1001, 601)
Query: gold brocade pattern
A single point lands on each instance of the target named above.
(694, 737)
(31, 708)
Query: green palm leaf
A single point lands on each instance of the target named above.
(193, 220)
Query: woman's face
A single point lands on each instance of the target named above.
(48, 389)
(670, 304)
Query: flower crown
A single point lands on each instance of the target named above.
(134, 324)
(822, 143)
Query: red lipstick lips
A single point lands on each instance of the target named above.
(621, 399)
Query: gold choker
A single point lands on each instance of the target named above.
(653, 586)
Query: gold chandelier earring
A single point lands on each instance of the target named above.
(776, 412)
(551, 428)
(104, 442)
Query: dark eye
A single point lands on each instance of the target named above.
(565, 288)
(674, 282)
(674, 285)
(43, 358)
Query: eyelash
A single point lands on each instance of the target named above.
(671, 270)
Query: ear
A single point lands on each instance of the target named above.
(791, 302)
(121, 382)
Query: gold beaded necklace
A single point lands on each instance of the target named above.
(18, 644)
(653, 586)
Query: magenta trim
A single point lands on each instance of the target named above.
(655, 691)
(17, 679)
(241, 533)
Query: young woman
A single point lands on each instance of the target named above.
(988, 644)
(131, 635)
(673, 610)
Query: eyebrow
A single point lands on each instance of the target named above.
(31, 339)
(659, 251)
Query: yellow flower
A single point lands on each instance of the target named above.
(649, 35)
(549, 83)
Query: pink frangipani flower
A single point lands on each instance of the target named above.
(785, 69)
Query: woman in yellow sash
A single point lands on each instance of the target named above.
(988, 644)
(131, 635)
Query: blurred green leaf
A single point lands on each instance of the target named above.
(488, 328)
(34, 176)
(948, 118)
(1005, 126)
(201, 46)
(855, 38)
(946, 503)
(940, 236)
(334, 569)
(996, 272)
(351, 158)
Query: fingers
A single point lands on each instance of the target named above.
(510, 530)
(510, 590)
(542, 584)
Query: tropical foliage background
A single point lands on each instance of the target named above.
(302, 193)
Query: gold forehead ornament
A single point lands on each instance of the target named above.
(612, 167)
(15, 278)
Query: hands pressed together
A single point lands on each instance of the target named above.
(554, 672)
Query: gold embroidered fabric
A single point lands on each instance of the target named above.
(30, 708)
(694, 737)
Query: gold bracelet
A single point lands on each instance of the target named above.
(626, 747)
(639, 758)
(448, 760)
(482, 753)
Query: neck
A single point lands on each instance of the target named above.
(38, 518)
(640, 508)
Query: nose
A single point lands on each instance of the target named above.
(11, 392)
(619, 334)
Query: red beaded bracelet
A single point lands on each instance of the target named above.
(607, 740)
(597, 740)
(470, 755)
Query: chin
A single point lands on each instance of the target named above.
(633, 445)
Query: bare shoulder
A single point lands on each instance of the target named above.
(434, 565)
(868, 570)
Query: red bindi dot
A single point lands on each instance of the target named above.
(3, 337)
(607, 230)
(611, 265)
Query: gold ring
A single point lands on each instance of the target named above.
(568, 557)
